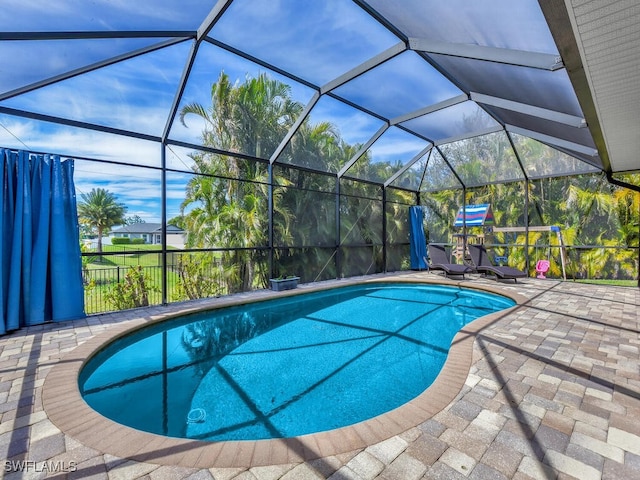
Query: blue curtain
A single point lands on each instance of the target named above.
(417, 240)
(40, 263)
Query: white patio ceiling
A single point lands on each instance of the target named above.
(607, 37)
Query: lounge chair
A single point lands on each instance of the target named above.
(439, 260)
(483, 264)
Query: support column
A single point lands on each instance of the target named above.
(163, 220)
(270, 213)
(526, 226)
(338, 257)
(384, 230)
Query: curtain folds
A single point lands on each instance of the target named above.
(417, 239)
(40, 263)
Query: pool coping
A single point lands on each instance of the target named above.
(67, 409)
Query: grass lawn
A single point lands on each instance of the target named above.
(149, 256)
(95, 296)
(109, 269)
(619, 283)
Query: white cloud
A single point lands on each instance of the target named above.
(61, 15)
(315, 40)
(75, 142)
(396, 145)
(134, 95)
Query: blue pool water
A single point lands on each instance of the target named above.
(284, 367)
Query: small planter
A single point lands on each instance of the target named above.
(279, 284)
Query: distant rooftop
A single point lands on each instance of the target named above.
(146, 228)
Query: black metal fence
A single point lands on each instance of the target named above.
(199, 275)
(99, 283)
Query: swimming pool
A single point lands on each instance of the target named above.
(285, 367)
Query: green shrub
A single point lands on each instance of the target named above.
(137, 241)
(196, 277)
(120, 241)
(133, 292)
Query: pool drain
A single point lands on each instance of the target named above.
(196, 415)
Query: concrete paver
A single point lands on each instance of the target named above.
(553, 391)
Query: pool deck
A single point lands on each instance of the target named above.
(548, 390)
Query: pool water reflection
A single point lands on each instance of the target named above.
(283, 367)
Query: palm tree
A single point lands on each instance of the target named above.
(220, 211)
(99, 210)
(250, 118)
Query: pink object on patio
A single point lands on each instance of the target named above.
(542, 267)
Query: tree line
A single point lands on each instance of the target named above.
(228, 198)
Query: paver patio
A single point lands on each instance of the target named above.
(553, 392)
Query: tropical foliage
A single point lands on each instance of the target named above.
(226, 202)
(133, 292)
(226, 205)
(197, 276)
(598, 220)
(263, 218)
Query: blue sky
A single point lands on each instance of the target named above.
(137, 94)
(315, 40)
(102, 15)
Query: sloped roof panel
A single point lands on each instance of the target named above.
(579, 136)
(540, 160)
(439, 175)
(458, 120)
(72, 141)
(336, 125)
(56, 57)
(317, 41)
(399, 86)
(393, 150)
(133, 95)
(532, 86)
(210, 64)
(412, 176)
(492, 23)
(483, 160)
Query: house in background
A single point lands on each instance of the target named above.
(151, 233)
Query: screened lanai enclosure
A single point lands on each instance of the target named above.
(217, 144)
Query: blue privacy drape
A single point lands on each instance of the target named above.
(40, 263)
(417, 240)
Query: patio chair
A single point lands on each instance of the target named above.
(483, 264)
(439, 260)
